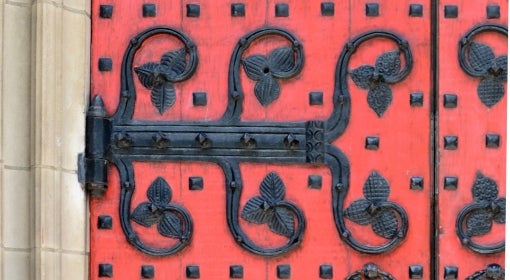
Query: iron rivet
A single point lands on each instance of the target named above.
(233, 185)
(415, 271)
(196, 183)
(315, 181)
(105, 64)
(105, 11)
(199, 98)
(450, 272)
(327, 9)
(203, 140)
(416, 99)
(339, 187)
(248, 141)
(450, 100)
(192, 10)
(326, 271)
(372, 9)
(290, 141)
(493, 11)
(415, 10)
(104, 222)
(236, 271)
(315, 98)
(283, 271)
(465, 241)
(149, 10)
(239, 239)
(281, 10)
(451, 142)
(193, 271)
(147, 271)
(132, 237)
(372, 143)
(106, 270)
(451, 11)
(237, 10)
(450, 183)
(161, 140)
(235, 95)
(346, 234)
(492, 140)
(416, 183)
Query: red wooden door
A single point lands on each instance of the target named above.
(296, 139)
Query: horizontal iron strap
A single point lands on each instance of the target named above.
(145, 154)
(242, 127)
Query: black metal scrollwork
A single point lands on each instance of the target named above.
(377, 211)
(387, 70)
(476, 218)
(228, 141)
(492, 272)
(370, 271)
(478, 60)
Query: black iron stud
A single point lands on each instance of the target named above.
(290, 141)
(492, 140)
(105, 270)
(161, 140)
(415, 272)
(372, 9)
(416, 10)
(450, 183)
(493, 11)
(450, 272)
(283, 271)
(104, 222)
(203, 140)
(451, 11)
(450, 100)
(237, 10)
(193, 271)
(199, 99)
(248, 141)
(105, 11)
(327, 9)
(372, 143)
(192, 10)
(315, 98)
(196, 183)
(236, 271)
(105, 64)
(416, 99)
(315, 181)
(149, 10)
(281, 10)
(147, 271)
(416, 183)
(451, 142)
(326, 271)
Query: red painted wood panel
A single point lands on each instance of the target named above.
(470, 121)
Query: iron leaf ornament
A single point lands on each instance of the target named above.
(493, 271)
(159, 78)
(265, 70)
(269, 208)
(494, 69)
(372, 210)
(156, 210)
(375, 80)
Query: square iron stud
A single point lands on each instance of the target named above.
(281, 10)
(105, 11)
(450, 183)
(315, 182)
(416, 183)
(236, 271)
(451, 142)
(492, 140)
(147, 271)
(372, 143)
(451, 11)
(193, 271)
(149, 10)
(450, 100)
(283, 271)
(104, 222)
(196, 183)
(326, 271)
(192, 10)
(372, 9)
(105, 64)
(415, 272)
(450, 272)
(237, 10)
(199, 98)
(416, 99)
(327, 9)
(105, 270)
(315, 98)
(416, 10)
(493, 11)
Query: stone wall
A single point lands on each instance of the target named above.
(44, 85)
